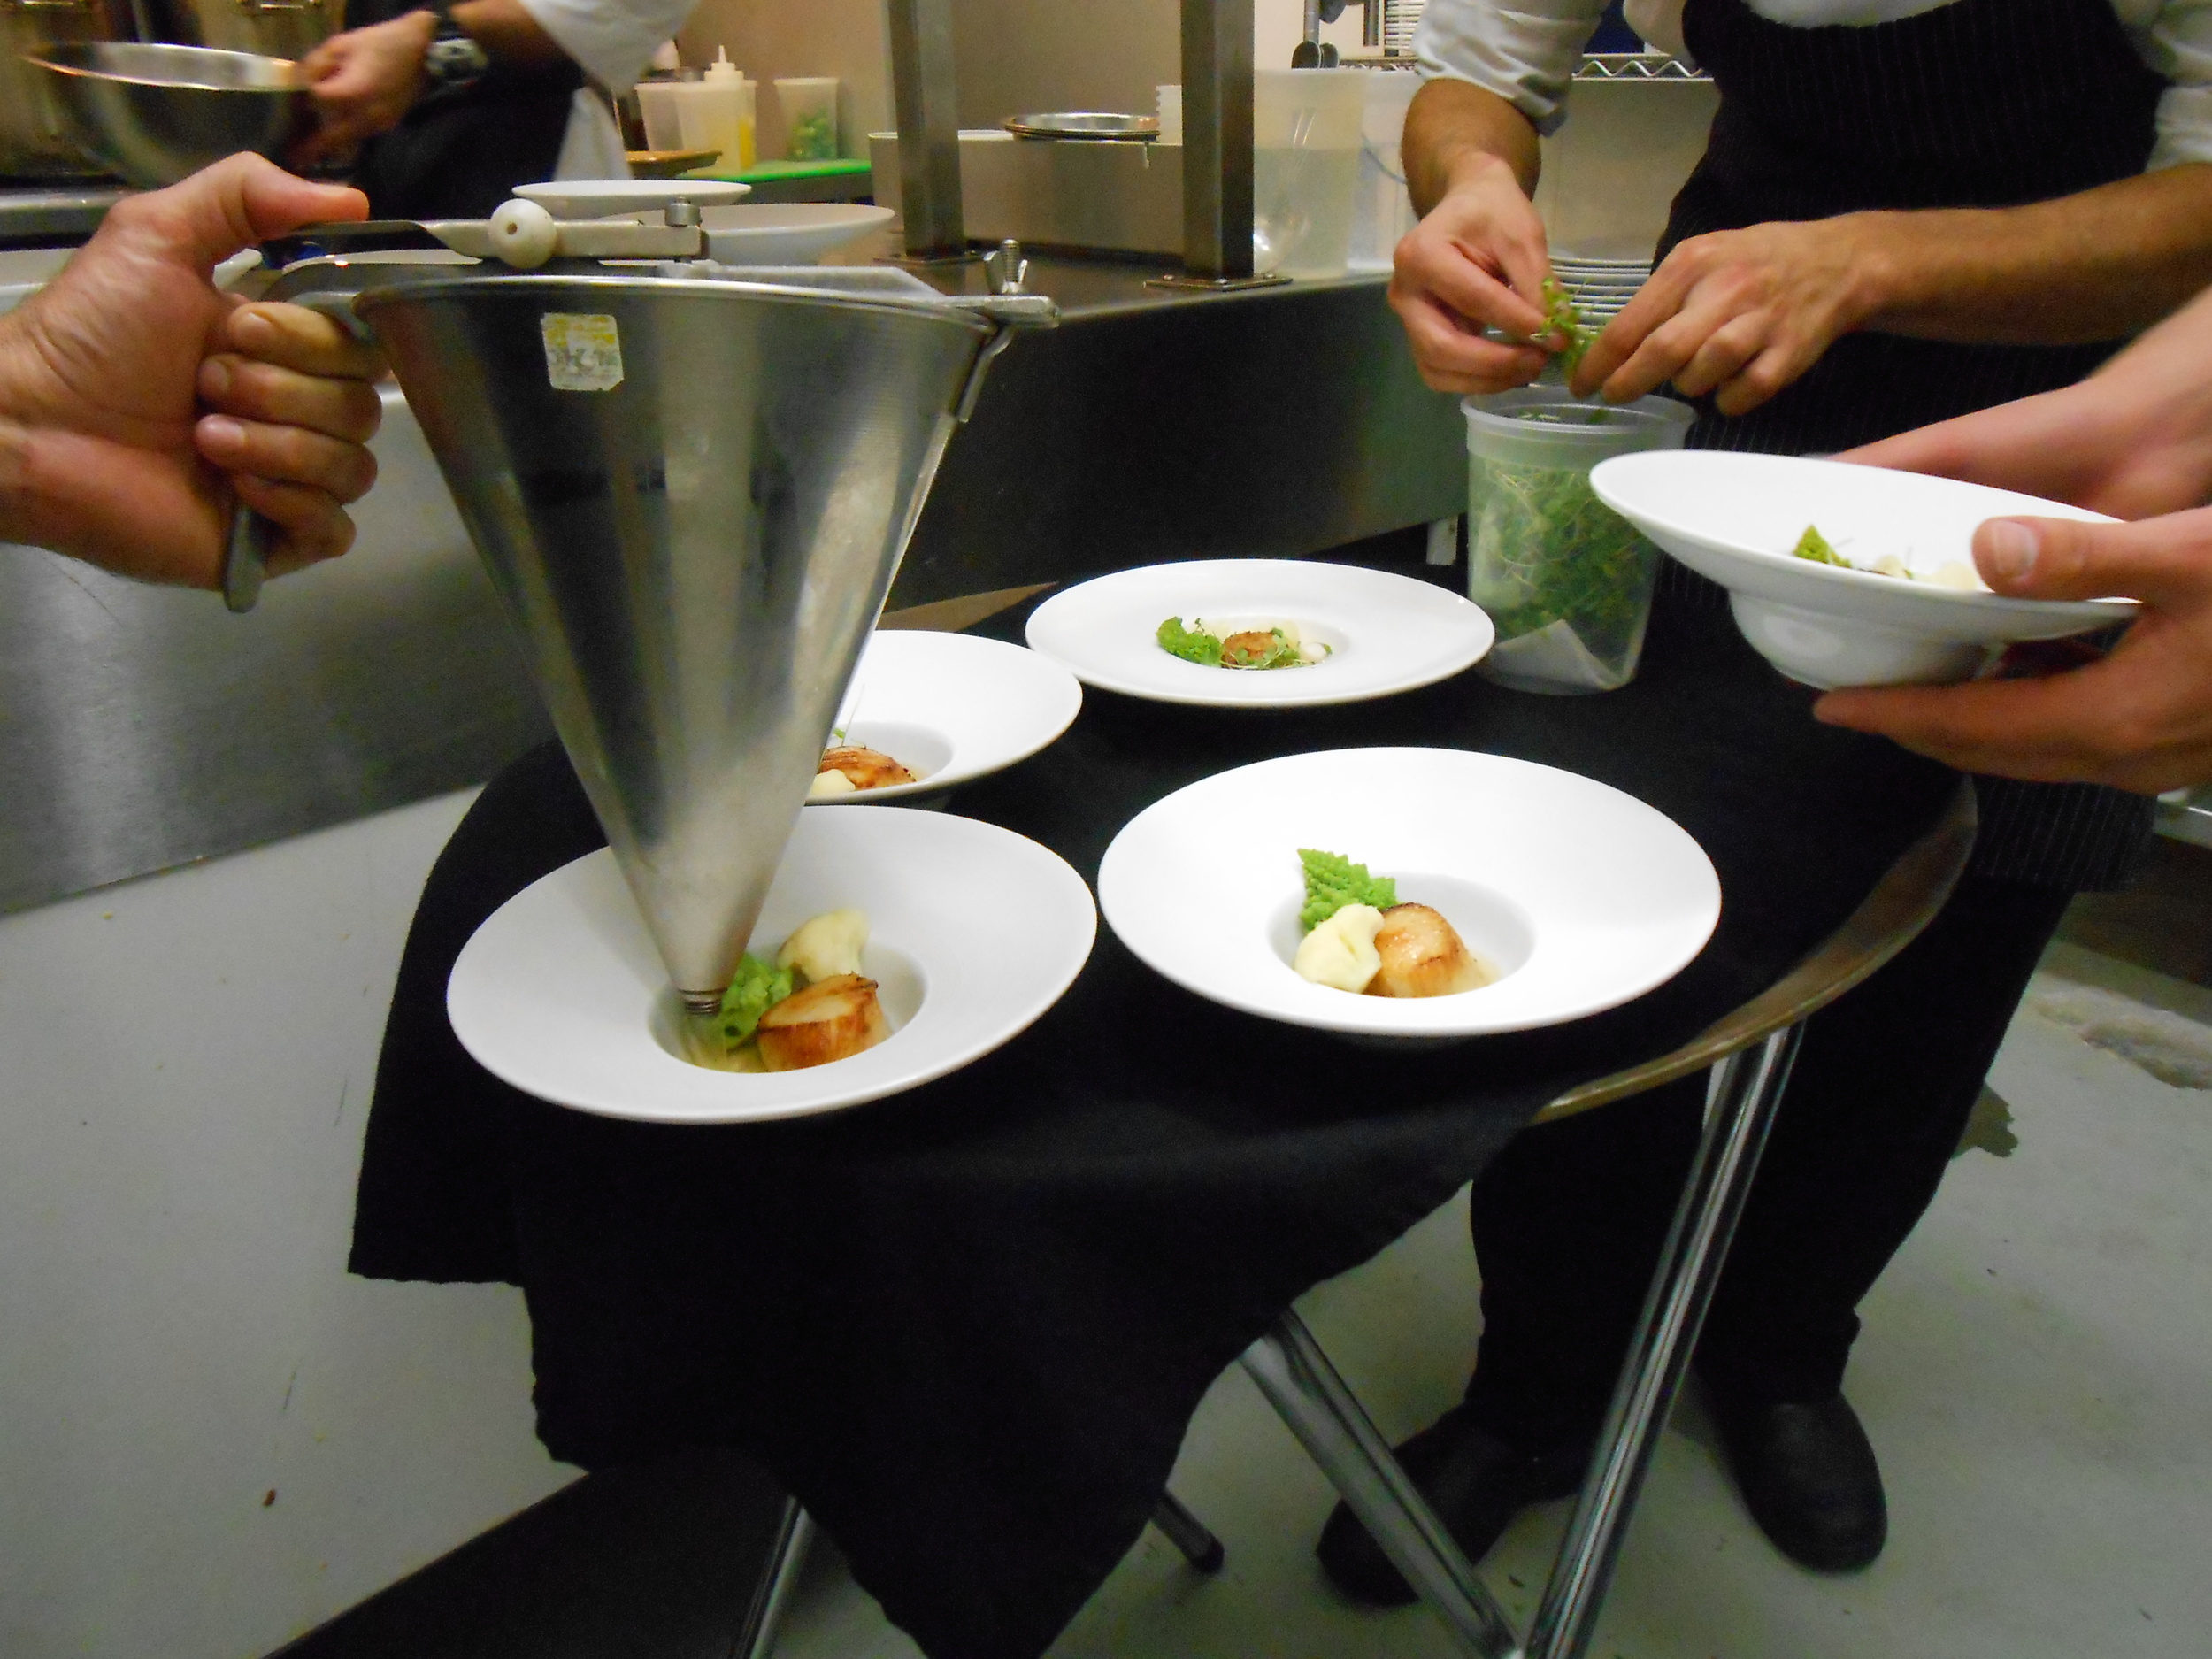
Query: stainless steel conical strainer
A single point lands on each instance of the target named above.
(692, 496)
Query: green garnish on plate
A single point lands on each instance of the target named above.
(1334, 882)
(757, 987)
(1814, 545)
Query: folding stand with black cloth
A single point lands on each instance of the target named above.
(968, 1325)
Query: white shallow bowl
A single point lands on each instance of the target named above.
(1387, 632)
(599, 198)
(1736, 518)
(790, 233)
(974, 932)
(1582, 896)
(951, 707)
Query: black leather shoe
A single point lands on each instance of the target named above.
(1809, 1476)
(1474, 1481)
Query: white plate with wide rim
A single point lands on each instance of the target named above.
(1387, 632)
(603, 198)
(1580, 896)
(974, 932)
(1737, 517)
(951, 707)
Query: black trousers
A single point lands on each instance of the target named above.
(1569, 1221)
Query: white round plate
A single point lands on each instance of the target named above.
(974, 932)
(598, 198)
(1736, 518)
(1387, 632)
(1582, 896)
(951, 708)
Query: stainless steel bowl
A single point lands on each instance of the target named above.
(153, 114)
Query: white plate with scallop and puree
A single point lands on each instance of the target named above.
(1362, 634)
(973, 933)
(1570, 896)
(947, 709)
(1891, 596)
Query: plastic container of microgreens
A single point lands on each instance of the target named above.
(1566, 579)
(810, 116)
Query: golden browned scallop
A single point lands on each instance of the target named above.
(1248, 647)
(866, 768)
(1423, 955)
(832, 1020)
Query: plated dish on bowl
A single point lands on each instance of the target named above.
(1845, 619)
(1318, 634)
(972, 931)
(1564, 896)
(946, 709)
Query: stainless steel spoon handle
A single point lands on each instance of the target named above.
(246, 551)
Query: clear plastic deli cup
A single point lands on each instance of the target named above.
(808, 104)
(1566, 579)
(1306, 143)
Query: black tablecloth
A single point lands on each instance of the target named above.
(968, 1325)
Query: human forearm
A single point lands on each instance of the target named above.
(508, 34)
(1455, 132)
(2101, 265)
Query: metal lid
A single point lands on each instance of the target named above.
(1098, 125)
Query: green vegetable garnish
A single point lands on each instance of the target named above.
(1814, 545)
(757, 987)
(1190, 644)
(1334, 882)
(1564, 318)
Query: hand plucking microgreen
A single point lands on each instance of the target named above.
(1563, 320)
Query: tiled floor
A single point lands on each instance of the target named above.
(2036, 1373)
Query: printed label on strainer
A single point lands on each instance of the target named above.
(583, 351)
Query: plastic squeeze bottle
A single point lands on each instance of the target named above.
(730, 99)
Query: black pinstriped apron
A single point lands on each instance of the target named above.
(1977, 104)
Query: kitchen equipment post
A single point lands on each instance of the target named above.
(925, 101)
(1217, 147)
(692, 496)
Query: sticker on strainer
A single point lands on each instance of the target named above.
(583, 351)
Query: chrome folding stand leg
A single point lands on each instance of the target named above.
(1740, 1100)
(1188, 1534)
(1311, 1399)
(786, 1556)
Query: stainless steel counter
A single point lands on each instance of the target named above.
(32, 216)
(142, 728)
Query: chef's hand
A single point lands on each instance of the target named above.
(1739, 313)
(105, 451)
(2132, 440)
(363, 82)
(2140, 719)
(1478, 257)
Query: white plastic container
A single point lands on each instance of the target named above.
(1567, 581)
(1382, 213)
(808, 105)
(1306, 142)
(661, 104)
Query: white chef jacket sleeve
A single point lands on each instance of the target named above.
(2176, 39)
(613, 40)
(1523, 51)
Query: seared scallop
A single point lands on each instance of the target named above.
(1251, 646)
(1423, 955)
(833, 1019)
(864, 768)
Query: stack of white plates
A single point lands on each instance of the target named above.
(1600, 286)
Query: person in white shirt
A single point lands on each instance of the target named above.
(453, 103)
(1907, 210)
